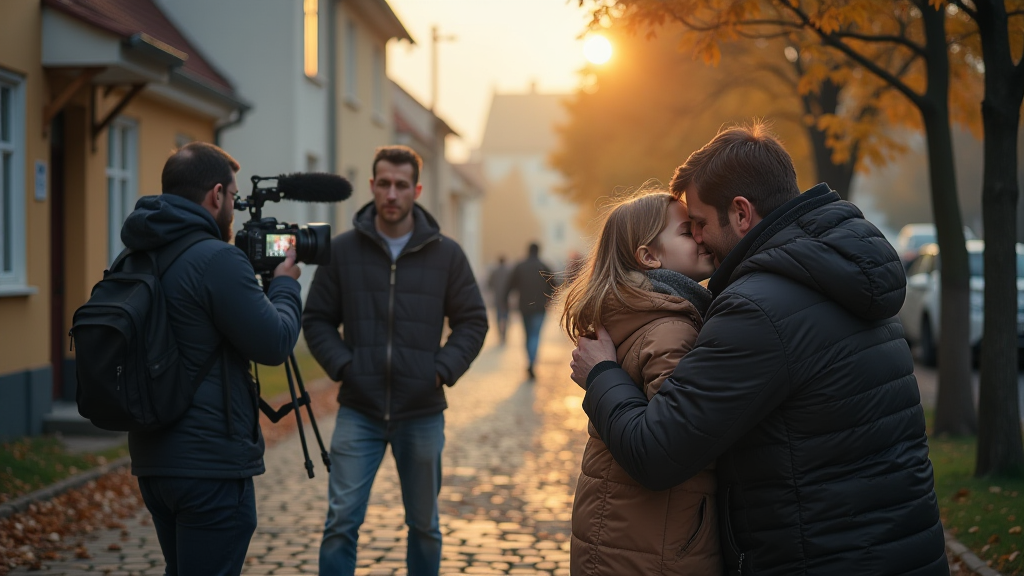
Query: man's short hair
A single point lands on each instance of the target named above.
(398, 155)
(195, 168)
(534, 249)
(747, 161)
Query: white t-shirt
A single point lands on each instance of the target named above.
(396, 244)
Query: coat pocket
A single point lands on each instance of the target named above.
(702, 522)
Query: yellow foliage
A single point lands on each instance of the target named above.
(872, 106)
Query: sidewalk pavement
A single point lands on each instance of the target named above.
(511, 460)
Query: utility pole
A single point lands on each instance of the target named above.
(436, 37)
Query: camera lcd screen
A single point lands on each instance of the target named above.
(278, 244)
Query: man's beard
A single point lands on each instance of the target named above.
(721, 247)
(401, 216)
(225, 221)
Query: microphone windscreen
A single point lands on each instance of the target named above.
(313, 187)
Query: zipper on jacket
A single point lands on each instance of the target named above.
(391, 333)
(739, 568)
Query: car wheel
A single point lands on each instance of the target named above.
(929, 352)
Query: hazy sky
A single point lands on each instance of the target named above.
(500, 45)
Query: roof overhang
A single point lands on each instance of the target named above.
(382, 18)
(69, 43)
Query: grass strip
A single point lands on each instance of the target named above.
(274, 380)
(31, 463)
(985, 514)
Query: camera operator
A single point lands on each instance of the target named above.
(391, 282)
(196, 474)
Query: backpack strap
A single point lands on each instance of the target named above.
(167, 254)
(170, 253)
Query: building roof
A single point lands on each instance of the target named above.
(127, 18)
(523, 123)
(383, 17)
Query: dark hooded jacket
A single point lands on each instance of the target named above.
(802, 387)
(393, 315)
(213, 299)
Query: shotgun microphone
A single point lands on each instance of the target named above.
(313, 187)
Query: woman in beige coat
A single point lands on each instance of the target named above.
(641, 283)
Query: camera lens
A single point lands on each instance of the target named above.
(313, 244)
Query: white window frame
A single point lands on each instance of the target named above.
(13, 242)
(123, 142)
(351, 63)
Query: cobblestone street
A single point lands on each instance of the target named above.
(512, 456)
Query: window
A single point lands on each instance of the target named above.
(351, 71)
(378, 84)
(13, 277)
(312, 54)
(122, 179)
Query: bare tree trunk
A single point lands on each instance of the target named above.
(1000, 450)
(954, 409)
(837, 176)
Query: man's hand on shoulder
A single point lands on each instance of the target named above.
(289, 267)
(590, 352)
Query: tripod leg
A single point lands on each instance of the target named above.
(309, 408)
(298, 418)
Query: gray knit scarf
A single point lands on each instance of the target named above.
(675, 284)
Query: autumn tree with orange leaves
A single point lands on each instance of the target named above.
(904, 63)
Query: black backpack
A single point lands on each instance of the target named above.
(130, 377)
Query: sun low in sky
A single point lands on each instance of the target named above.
(597, 49)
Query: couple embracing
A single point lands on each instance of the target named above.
(768, 424)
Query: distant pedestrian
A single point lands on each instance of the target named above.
(641, 284)
(392, 281)
(496, 282)
(532, 280)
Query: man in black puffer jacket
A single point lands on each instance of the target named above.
(800, 384)
(196, 474)
(391, 282)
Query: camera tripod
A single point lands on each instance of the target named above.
(299, 399)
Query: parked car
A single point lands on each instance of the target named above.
(913, 236)
(920, 312)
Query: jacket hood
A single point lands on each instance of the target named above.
(425, 227)
(160, 220)
(826, 244)
(652, 303)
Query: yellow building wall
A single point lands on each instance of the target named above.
(24, 320)
(359, 130)
(159, 125)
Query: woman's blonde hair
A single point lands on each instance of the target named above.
(630, 222)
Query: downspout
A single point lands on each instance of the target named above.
(239, 117)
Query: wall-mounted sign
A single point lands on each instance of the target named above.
(40, 181)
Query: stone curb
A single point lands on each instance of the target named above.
(964, 554)
(21, 503)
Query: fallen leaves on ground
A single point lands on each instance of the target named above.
(55, 529)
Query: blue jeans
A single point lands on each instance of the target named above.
(532, 324)
(357, 449)
(204, 525)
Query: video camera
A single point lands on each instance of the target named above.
(265, 240)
